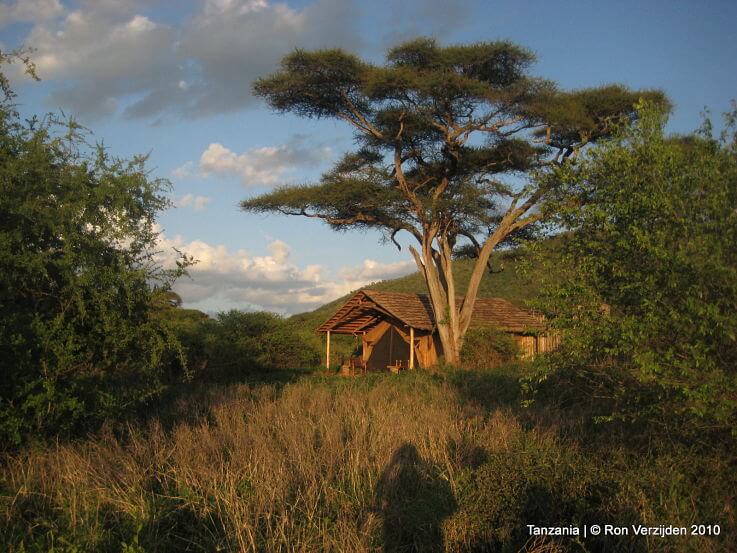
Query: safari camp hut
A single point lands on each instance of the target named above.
(388, 322)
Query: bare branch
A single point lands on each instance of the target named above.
(401, 126)
(393, 239)
(418, 260)
(522, 223)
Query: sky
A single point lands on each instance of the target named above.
(172, 79)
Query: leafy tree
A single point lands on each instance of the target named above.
(647, 302)
(237, 343)
(439, 131)
(258, 340)
(79, 281)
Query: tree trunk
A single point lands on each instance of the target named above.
(466, 311)
(438, 273)
(453, 320)
(449, 342)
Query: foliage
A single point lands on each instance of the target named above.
(236, 343)
(258, 340)
(29, 68)
(78, 281)
(187, 325)
(283, 349)
(485, 348)
(440, 131)
(648, 277)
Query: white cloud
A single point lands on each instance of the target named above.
(117, 7)
(97, 59)
(234, 42)
(197, 202)
(238, 7)
(183, 171)
(106, 55)
(184, 201)
(263, 166)
(437, 18)
(222, 279)
(371, 270)
(30, 11)
(200, 202)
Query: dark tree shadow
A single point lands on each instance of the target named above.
(413, 501)
(490, 389)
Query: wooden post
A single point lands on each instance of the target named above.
(391, 343)
(327, 354)
(411, 347)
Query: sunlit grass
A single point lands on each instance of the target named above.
(418, 462)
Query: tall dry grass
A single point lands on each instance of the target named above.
(394, 464)
(295, 471)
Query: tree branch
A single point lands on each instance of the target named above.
(364, 123)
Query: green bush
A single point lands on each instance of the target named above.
(282, 349)
(79, 337)
(485, 348)
(648, 279)
(237, 343)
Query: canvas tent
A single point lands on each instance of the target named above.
(388, 322)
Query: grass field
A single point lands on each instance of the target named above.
(444, 461)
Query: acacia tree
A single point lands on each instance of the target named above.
(439, 131)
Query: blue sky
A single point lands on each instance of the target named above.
(173, 78)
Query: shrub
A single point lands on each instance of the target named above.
(646, 305)
(236, 343)
(78, 281)
(283, 349)
(485, 348)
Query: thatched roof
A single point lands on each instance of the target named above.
(367, 308)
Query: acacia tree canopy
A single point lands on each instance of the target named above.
(439, 131)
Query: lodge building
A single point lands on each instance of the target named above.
(398, 330)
